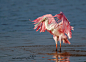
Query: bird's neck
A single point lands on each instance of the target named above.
(46, 23)
(49, 26)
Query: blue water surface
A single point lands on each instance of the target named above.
(19, 42)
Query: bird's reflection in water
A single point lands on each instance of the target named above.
(60, 57)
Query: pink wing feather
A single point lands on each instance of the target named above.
(65, 25)
(41, 26)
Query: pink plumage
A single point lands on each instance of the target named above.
(58, 28)
(41, 26)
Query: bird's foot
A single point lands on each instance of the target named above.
(60, 50)
(56, 50)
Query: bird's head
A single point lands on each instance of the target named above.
(44, 18)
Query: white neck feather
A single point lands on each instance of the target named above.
(48, 26)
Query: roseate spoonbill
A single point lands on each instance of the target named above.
(60, 28)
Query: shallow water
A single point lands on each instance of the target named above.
(19, 42)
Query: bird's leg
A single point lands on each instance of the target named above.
(60, 43)
(56, 47)
(56, 43)
(60, 48)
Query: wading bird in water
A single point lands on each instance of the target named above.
(57, 25)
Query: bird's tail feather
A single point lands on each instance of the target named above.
(66, 41)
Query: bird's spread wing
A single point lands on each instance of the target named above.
(64, 25)
(41, 25)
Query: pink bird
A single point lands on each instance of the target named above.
(60, 27)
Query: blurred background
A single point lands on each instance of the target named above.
(16, 29)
